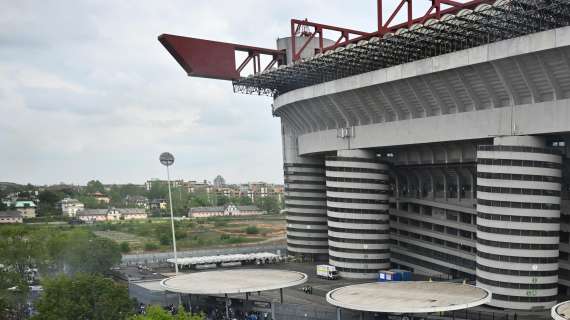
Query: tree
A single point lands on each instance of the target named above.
(48, 202)
(157, 313)
(180, 196)
(91, 202)
(199, 201)
(125, 247)
(158, 190)
(222, 200)
(3, 206)
(83, 296)
(252, 230)
(245, 201)
(13, 293)
(93, 255)
(94, 186)
(270, 204)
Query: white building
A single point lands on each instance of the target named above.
(111, 214)
(70, 207)
(26, 207)
(230, 210)
(12, 216)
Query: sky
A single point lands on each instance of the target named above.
(87, 91)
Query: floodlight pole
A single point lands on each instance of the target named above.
(172, 222)
(167, 159)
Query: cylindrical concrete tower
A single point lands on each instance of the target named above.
(518, 221)
(305, 202)
(357, 211)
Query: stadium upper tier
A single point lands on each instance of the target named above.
(505, 19)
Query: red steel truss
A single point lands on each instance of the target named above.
(217, 60)
(310, 29)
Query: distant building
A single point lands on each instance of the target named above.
(26, 208)
(133, 214)
(137, 201)
(219, 182)
(199, 187)
(228, 192)
(101, 198)
(93, 215)
(257, 190)
(111, 214)
(11, 216)
(229, 210)
(173, 183)
(158, 204)
(70, 207)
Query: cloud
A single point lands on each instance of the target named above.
(87, 91)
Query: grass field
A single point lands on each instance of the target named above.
(155, 234)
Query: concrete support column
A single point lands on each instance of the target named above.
(397, 187)
(518, 222)
(357, 210)
(458, 188)
(445, 187)
(473, 187)
(433, 187)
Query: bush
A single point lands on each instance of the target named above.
(252, 230)
(225, 236)
(220, 223)
(125, 248)
(236, 240)
(150, 246)
(165, 239)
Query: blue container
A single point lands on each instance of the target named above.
(403, 275)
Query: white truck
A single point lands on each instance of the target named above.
(326, 271)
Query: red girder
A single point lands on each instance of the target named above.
(383, 27)
(216, 60)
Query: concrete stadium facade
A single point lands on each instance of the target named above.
(452, 166)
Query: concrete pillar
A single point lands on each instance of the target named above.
(473, 187)
(227, 307)
(458, 187)
(445, 187)
(433, 187)
(357, 210)
(397, 187)
(273, 316)
(518, 223)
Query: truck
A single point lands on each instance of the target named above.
(326, 271)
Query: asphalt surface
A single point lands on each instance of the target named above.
(295, 294)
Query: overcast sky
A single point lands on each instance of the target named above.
(87, 91)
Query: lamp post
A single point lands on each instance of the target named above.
(167, 159)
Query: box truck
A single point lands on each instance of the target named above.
(326, 271)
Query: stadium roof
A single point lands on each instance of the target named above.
(505, 19)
